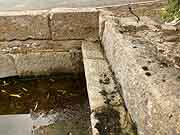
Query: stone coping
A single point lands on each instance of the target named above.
(55, 24)
(108, 113)
(150, 86)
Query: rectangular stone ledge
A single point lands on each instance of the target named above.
(101, 87)
(46, 63)
(40, 63)
(151, 94)
(78, 23)
(43, 57)
(22, 25)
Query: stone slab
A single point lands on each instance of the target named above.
(46, 63)
(150, 90)
(22, 25)
(16, 124)
(40, 57)
(103, 92)
(93, 69)
(77, 23)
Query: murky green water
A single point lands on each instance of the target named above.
(58, 104)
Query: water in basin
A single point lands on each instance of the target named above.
(56, 104)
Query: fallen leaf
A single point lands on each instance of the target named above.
(15, 95)
(64, 92)
(52, 80)
(48, 95)
(25, 89)
(3, 91)
(5, 83)
(36, 106)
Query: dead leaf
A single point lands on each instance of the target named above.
(36, 106)
(25, 89)
(48, 95)
(15, 95)
(5, 83)
(3, 91)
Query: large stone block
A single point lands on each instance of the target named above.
(22, 25)
(74, 24)
(46, 63)
(40, 57)
(151, 91)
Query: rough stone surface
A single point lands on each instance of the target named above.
(92, 50)
(109, 115)
(150, 87)
(16, 124)
(43, 57)
(168, 28)
(74, 24)
(94, 63)
(7, 67)
(22, 25)
(44, 63)
(58, 24)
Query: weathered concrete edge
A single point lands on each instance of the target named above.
(37, 24)
(129, 73)
(101, 87)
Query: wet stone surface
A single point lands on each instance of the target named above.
(57, 104)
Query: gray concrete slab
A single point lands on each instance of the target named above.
(15, 124)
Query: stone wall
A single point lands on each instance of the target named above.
(150, 85)
(55, 24)
(43, 42)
